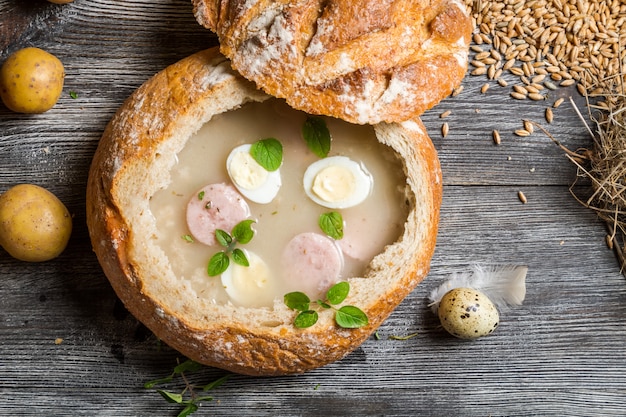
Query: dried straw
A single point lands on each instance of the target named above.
(604, 164)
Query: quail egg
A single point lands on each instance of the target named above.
(251, 179)
(467, 313)
(337, 182)
(250, 286)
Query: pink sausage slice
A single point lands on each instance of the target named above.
(312, 263)
(215, 206)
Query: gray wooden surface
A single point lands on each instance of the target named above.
(561, 353)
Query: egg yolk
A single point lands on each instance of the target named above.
(246, 172)
(334, 183)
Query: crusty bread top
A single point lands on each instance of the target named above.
(133, 161)
(364, 61)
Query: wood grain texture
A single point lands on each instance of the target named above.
(561, 353)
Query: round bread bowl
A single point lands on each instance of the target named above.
(132, 162)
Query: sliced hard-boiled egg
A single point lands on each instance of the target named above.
(250, 286)
(251, 179)
(337, 182)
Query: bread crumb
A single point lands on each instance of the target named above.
(58, 341)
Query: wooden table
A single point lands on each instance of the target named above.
(67, 346)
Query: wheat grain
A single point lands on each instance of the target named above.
(496, 137)
(569, 41)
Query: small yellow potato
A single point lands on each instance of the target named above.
(31, 81)
(35, 226)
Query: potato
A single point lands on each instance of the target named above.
(31, 81)
(35, 225)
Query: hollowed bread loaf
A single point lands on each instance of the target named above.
(132, 162)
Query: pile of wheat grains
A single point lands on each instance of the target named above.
(549, 44)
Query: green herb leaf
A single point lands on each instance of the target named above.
(323, 304)
(155, 382)
(317, 136)
(189, 409)
(223, 238)
(297, 301)
(240, 258)
(218, 264)
(350, 317)
(216, 383)
(242, 232)
(73, 94)
(268, 153)
(188, 238)
(187, 398)
(331, 223)
(305, 319)
(200, 195)
(338, 292)
(171, 397)
(187, 366)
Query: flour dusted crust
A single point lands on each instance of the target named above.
(133, 161)
(363, 61)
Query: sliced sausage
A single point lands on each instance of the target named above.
(215, 206)
(312, 263)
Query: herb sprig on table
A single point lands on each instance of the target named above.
(189, 397)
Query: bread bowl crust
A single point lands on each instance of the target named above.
(150, 127)
(363, 61)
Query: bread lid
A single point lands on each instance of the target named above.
(362, 61)
(134, 156)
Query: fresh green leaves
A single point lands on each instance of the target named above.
(268, 153)
(306, 319)
(338, 292)
(348, 317)
(317, 136)
(297, 301)
(218, 264)
(242, 233)
(223, 238)
(188, 398)
(240, 258)
(331, 223)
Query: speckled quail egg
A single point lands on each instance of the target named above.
(467, 313)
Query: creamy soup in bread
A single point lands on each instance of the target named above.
(289, 250)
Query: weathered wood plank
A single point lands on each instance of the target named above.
(561, 353)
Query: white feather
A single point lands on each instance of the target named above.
(504, 285)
